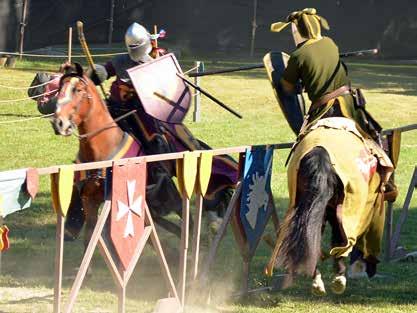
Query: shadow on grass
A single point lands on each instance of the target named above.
(47, 298)
(395, 284)
(31, 261)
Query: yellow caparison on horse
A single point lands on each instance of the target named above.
(335, 175)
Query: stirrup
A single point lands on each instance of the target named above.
(391, 192)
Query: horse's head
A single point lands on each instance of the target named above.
(73, 101)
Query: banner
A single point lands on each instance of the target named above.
(256, 189)
(13, 194)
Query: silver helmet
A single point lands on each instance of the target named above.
(138, 42)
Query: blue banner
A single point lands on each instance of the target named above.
(256, 188)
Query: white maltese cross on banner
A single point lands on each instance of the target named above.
(134, 206)
(127, 209)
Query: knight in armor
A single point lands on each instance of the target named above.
(315, 66)
(154, 135)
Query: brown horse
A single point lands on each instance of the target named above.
(79, 106)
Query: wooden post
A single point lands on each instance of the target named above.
(245, 274)
(88, 255)
(111, 22)
(184, 247)
(197, 96)
(121, 294)
(161, 257)
(254, 26)
(69, 44)
(196, 234)
(403, 217)
(22, 27)
(59, 255)
(120, 276)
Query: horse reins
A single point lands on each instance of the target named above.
(107, 126)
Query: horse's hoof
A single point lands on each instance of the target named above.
(318, 291)
(338, 285)
(214, 226)
(317, 287)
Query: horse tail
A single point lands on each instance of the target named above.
(300, 234)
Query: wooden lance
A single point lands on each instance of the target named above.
(81, 37)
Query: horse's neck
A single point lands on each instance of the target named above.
(103, 134)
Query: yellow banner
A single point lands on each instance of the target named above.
(65, 186)
(187, 173)
(204, 171)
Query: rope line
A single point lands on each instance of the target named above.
(27, 98)
(60, 56)
(30, 87)
(112, 124)
(190, 70)
(26, 119)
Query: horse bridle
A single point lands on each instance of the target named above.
(89, 97)
(68, 98)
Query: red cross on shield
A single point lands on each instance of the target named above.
(127, 209)
(162, 93)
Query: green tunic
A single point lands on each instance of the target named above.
(316, 64)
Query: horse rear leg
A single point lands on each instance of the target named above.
(317, 287)
(338, 284)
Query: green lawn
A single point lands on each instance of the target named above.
(26, 280)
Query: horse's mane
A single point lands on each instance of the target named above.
(72, 70)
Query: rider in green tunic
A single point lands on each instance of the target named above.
(316, 63)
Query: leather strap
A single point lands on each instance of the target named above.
(344, 90)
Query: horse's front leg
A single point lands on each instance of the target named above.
(317, 286)
(92, 196)
(338, 285)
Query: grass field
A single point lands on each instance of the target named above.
(26, 279)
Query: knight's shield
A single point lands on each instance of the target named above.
(162, 93)
(293, 105)
(255, 208)
(127, 210)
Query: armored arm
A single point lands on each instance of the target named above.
(99, 75)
